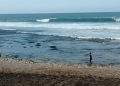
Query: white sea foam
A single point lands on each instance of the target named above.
(44, 20)
(62, 25)
(117, 19)
(8, 29)
(102, 38)
(77, 36)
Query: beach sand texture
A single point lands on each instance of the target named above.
(21, 72)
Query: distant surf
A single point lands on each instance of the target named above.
(65, 19)
(86, 19)
(45, 20)
(89, 19)
(62, 25)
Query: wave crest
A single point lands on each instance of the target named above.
(89, 19)
(117, 19)
(61, 25)
(45, 20)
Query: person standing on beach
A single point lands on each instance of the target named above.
(90, 55)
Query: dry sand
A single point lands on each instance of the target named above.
(21, 72)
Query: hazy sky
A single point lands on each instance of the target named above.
(58, 6)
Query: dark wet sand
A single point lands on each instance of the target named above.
(24, 79)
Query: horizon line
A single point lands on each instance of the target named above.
(58, 12)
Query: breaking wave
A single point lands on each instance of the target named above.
(45, 20)
(67, 20)
(61, 25)
(92, 19)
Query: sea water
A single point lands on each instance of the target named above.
(62, 37)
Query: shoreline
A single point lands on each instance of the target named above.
(27, 72)
(17, 65)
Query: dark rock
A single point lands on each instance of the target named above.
(31, 42)
(38, 44)
(16, 56)
(53, 48)
(24, 47)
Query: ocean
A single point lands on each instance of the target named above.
(62, 37)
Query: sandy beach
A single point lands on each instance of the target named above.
(21, 72)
